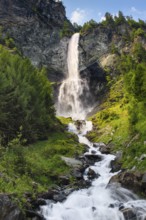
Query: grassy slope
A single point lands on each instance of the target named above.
(111, 125)
(35, 168)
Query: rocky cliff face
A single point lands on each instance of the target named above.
(35, 26)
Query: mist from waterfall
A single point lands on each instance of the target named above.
(73, 89)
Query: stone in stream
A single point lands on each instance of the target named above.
(104, 149)
(143, 182)
(79, 124)
(33, 215)
(115, 166)
(93, 157)
(59, 197)
(91, 174)
(129, 180)
(129, 213)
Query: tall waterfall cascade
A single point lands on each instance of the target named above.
(101, 201)
(73, 89)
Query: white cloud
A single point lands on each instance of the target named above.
(136, 11)
(102, 18)
(99, 14)
(78, 16)
(133, 9)
(136, 14)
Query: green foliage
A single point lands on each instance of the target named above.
(77, 27)
(108, 20)
(66, 31)
(26, 99)
(88, 26)
(35, 168)
(114, 49)
(139, 32)
(120, 19)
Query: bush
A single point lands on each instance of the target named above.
(26, 99)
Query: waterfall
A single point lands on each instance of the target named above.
(100, 201)
(73, 88)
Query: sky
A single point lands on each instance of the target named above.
(80, 11)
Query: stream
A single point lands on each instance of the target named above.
(100, 201)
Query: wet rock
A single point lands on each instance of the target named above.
(129, 214)
(98, 145)
(68, 191)
(64, 180)
(77, 174)
(117, 204)
(104, 149)
(115, 166)
(91, 174)
(93, 208)
(8, 210)
(49, 195)
(93, 152)
(39, 202)
(34, 215)
(143, 181)
(93, 157)
(59, 197)
(111, 206)
(79, 124)
(129, 180)
(82, 184)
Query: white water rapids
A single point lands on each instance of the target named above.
(100, 201)
(73, 89)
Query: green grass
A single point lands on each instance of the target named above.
(111, 126)
(35, 168)
(111, 123)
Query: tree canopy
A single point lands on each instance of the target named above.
(25, 99)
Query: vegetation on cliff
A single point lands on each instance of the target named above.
(26, 99)
(121, 122)
(32, 139)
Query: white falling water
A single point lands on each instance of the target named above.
(72, 88)
(98, 202)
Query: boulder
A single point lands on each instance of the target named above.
(93, 157)
(77, 174)
(72, 162)
(115, 166)
(59, 197)
(91, 174)
(129, 180)
(129, 214)
(104, 149)
(8, 210)
(143, 181)
(34, 215)
(64, 180)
